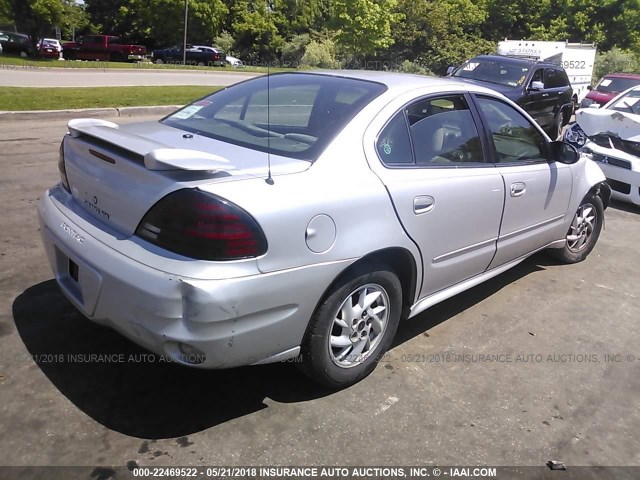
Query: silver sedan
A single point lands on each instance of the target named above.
(304, 215)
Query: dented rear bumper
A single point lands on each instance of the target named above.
(239, 320)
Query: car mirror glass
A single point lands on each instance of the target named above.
(536, 86)
(564, 152)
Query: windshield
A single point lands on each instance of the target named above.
(629, 102)
(501, 72)
(294, 115)
(613, 84)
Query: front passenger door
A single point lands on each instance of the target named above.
(537, 191)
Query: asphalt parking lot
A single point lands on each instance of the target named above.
(541, 363)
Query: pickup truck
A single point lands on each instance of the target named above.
(102, 47)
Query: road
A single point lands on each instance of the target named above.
(513, 372)
(22, 76)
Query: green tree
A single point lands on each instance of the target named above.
(301, 16)
(364, 26)
(615, 60)
(225, 42)
(435, 34)
(158, 22)
(6, 17)
(320, 55)
(37, 17)
(257, 37)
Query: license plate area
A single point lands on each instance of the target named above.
(74, 270)
(80, 282)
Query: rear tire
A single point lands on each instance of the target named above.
(583, 232)
(352, 328)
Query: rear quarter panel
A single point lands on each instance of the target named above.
(340, 185)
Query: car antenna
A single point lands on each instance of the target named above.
(269, 178)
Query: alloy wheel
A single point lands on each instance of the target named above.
(582, 227)
(359, 325)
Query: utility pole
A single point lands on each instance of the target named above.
(184, 44)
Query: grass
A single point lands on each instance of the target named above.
(9, 62)
(19, 98)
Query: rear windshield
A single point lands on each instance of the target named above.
(613, 84)
(293, 115)
(498, 71)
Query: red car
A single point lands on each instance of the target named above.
(48, 49)
(608, 87)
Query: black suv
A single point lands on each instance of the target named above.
(16, 43)
(541, 88)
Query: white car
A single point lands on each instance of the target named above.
(611, 136)
(234, 62)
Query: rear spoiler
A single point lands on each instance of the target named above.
(157, 156)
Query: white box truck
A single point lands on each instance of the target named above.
(577, 59)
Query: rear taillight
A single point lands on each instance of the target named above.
(63, 170)
(200, 225)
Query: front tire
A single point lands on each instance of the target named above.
(352, 328)
(555, 130)
(584, 231)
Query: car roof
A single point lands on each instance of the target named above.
(622, 75)
(517, 60)
(398, 82)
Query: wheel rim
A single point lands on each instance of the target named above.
(582, 227)
(359, 325)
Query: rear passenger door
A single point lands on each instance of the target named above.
(447, 198)
(537, 191)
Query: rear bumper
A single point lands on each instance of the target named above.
(235, 321)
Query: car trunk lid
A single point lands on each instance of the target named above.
(117, 173)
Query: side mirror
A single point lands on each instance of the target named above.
(450, 69)
(563, 152)
(536, 86)
(589, 87)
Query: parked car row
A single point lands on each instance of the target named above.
(111, 48)
(195, 55)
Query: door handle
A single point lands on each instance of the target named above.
(518, 189)
(423, 204)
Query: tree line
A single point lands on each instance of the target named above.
(411, 35)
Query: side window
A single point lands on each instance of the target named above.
(552, 78)
(443, 132)
(537, 76)
(563, 78)
(393, 144)
(515, 138)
